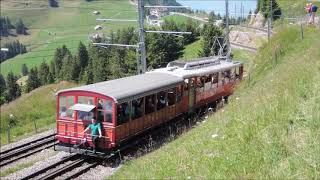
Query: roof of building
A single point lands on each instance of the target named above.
(131, 87)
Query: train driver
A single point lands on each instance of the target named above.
(95, 128)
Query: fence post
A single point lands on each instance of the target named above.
(35, 126)
(8, 133)
(301, 28)
(269, 29)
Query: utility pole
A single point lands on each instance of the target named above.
(227, 30)
(142, 59)
(271, 13)
(140, 47)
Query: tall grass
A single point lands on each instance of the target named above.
(37, 107)
(269, 130)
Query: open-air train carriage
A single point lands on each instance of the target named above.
(128, 106)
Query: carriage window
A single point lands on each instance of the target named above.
(179, 93)
(161, 100)
(171, 96)
(221, 78)
(214, 80)
(137, 108)
(85, 100)
(150, 104)
(123, 113)
(200, 84)
(65, 102)
(104, 110)
(207, 82)
(82, 115)
(227, 75)
(237, 72)
(185, 87)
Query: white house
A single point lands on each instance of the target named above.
(98, 27)
(96, 12)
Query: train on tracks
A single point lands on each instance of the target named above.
(129, 106)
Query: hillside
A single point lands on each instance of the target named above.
(50, 28)
(38, 106)
(270, 128)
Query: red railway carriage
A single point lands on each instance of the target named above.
(128, 106)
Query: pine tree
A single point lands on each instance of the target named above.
(50, 78)
(2, 85)
(264, 7)
(82, 56)
(53, 3)
(24, 70)
(13, 89)
(43, 73)
(33, 81)
(20, 27)
(52, 69)
(209, 47)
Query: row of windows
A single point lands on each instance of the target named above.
(149, 104)
(103, 111)
(212, 80)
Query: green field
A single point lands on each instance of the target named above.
(177, 18)
(37, 106)
(52, 27)
(269, 130)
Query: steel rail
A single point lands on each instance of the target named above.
(26, 144)
(25, 149)
(63, 169)
(41, 171)
(3, 163)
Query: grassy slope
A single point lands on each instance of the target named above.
(192, 50)
(38, 105)
(178, 18)
(271, 130)
(70, 25)
(292, 8)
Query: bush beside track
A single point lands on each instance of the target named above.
(270, 128)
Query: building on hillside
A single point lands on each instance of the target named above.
(154, 20)
(98, 27)
(160, 12)
(96, 12)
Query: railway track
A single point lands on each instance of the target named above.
(26, 149)
(66, 166)
(237, 45)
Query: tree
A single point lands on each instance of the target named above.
(82, 56)
(3, 86)
(167, 47)
(209, 47)
(13, 89)
(24, 70)
(50, 78)
(59, 55)
(14, 48)
(20, 27)
(70, 69)
(43, 73)
(33, 81)
(264, 7)
(53, 3)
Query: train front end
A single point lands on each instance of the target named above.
(75, 111)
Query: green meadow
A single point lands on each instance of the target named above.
(68, 24)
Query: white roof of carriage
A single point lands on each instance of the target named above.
(177, 69)
(131, 87)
